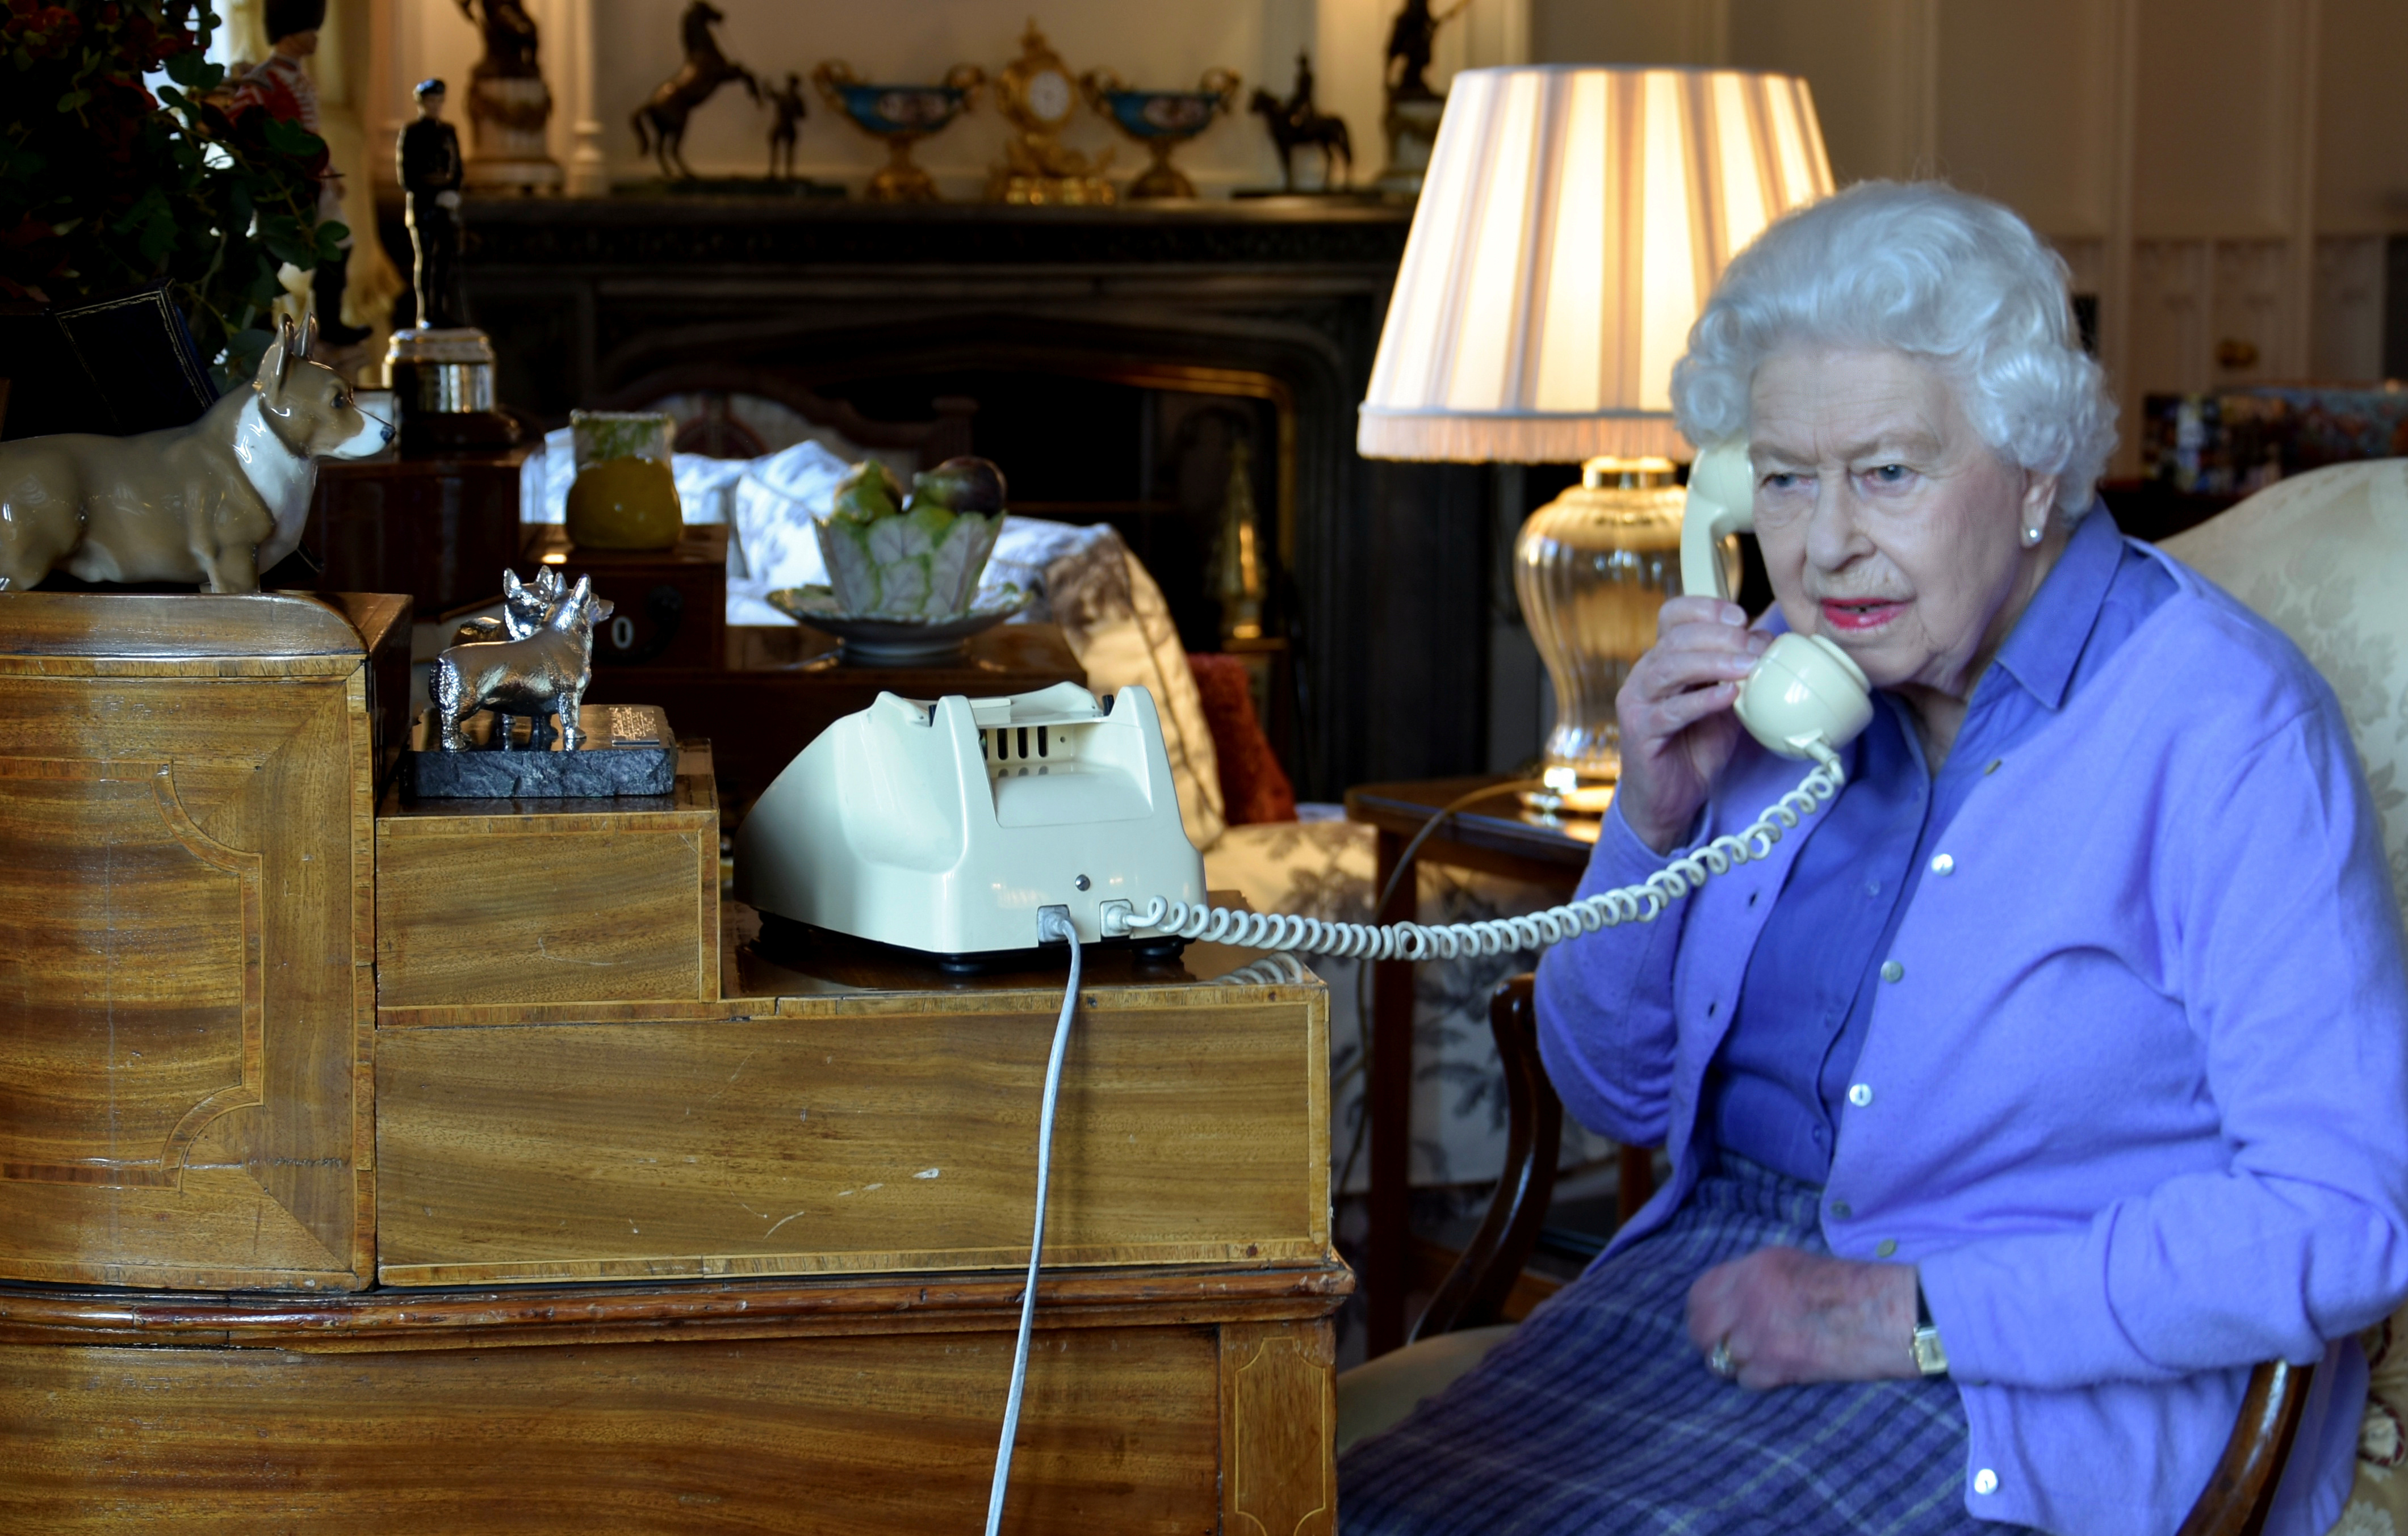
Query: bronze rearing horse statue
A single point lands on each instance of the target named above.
(705, 71)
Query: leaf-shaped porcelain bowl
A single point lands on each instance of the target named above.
(875, 641)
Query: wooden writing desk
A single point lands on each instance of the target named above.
(1179, 1380)
(283, 1254)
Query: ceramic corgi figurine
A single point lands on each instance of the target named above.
(216, 502)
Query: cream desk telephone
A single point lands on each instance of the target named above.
(978, 830)
(958, 828)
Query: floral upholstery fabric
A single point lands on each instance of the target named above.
(2324, 557)
(1119, 628)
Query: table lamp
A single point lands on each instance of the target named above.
(1573, 221)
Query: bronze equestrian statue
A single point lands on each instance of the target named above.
(1296, 124)
(705, 71)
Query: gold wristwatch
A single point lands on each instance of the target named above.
(1930, 1358)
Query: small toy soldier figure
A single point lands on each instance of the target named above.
(789, 102)
(1300, 104)
(283, 86)
(1410, 41)
(431, 173)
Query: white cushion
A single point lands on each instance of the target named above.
(774, 503)
(1378, 1394)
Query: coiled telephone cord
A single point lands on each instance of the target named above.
(1643, 902)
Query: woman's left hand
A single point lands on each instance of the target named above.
(1790, 1316)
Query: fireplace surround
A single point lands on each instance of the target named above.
(1382, 567)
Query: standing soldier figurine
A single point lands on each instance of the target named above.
(283, 86)
(1412, 39)
(431, 173)
(1411, 122)
(789, 102)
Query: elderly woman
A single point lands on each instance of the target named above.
(2036, 1088)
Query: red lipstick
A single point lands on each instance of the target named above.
(1859, 615)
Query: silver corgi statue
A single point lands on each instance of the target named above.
(542, 675)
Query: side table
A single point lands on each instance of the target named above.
(1495, 836)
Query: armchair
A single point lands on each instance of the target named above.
(2320, 556)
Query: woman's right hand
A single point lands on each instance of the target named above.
(1677, 731)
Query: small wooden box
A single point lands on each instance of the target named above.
(550, 901)
(671, 605)
(442, 530)
(845, 1128)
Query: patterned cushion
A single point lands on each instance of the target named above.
(2325, 556)
(1120, 629)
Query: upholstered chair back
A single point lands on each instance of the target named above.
(2324, 556)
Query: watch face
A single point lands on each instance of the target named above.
(1049, 96)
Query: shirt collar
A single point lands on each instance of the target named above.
(2047, 641)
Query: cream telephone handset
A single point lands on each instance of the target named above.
(1805, 689)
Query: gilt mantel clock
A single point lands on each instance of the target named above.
(1036, 95)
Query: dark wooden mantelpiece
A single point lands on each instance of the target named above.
(1283, 233)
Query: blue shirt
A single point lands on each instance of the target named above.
(2132, 1069)
(1778, 1087)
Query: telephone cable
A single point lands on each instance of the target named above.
(1050, 925)
(1408, 941)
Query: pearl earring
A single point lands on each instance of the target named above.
(2033, 536)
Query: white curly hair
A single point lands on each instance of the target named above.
(1920, 268)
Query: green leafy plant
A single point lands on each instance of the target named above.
(105, 187)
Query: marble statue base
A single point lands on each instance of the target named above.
(628, 750)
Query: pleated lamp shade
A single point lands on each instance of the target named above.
(1572, 224)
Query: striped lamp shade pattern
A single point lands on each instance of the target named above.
(1572, 224)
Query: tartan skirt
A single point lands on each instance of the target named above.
(1597, 1417)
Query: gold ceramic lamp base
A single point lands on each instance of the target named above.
(1591, 568)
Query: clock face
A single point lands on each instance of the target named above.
(1049, 96)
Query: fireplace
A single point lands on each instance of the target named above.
(1116, 355)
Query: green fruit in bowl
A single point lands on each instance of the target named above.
(960, 485)
(867, 492)
(890, 559)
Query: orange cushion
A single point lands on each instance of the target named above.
(1254, 788)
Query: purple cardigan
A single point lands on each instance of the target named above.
(2138, 1083)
